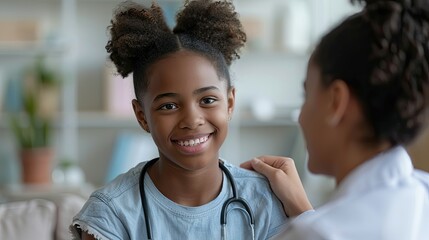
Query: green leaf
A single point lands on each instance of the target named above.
(30, 129)
(23, 136)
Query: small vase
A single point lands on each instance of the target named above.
(70, 175)
(36, 165)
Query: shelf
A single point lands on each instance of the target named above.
(29, 50)
(106, 120)
(5, 121)
(14, 192)
(275, 122)
(273, 53)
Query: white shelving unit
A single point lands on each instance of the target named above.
(61, 53)
(87, 132)
(69, 147)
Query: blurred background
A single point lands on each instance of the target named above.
(58, 91)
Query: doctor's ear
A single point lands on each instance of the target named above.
(140, 116)
(339, 100)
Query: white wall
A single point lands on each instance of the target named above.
(273, 75)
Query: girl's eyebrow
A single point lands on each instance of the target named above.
(164, 95)
(204, 89)
(196, 92)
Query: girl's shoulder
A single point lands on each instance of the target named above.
(124, 184)
(244, 176)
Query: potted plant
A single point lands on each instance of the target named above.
(32, 126)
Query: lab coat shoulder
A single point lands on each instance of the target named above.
(423, 178)
(384, 198)
(366, 217)
(304, 227)
(323, 224)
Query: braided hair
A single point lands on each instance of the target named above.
(140, 37)
(382, 54)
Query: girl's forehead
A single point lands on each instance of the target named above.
(181, 55)
(183, 70)
(181, 63)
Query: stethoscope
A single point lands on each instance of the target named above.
(223, 213)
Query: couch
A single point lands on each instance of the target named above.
(39, 218)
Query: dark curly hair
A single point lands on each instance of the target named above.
(382, 54)
(140, 37)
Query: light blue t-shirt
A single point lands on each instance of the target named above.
(115, 211)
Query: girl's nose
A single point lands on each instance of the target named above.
(191, 118)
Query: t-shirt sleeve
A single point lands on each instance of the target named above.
(279, 220)
(99, 218)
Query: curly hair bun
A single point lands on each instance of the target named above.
(400, 31)
(213, 22)
(135, 30)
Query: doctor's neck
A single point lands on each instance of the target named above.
(352, 156)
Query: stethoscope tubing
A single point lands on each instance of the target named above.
(223, 214)
(143, 198)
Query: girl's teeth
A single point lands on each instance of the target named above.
(193, 142)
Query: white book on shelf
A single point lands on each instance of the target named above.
(119, 93)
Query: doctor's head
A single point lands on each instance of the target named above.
(184, 94)
(367, 82)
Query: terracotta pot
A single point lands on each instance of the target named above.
(36, 165)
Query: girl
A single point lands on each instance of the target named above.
(184, 99)
(367, 95)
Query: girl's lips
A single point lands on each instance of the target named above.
(193, 141)
(193, 145)
(193, 137)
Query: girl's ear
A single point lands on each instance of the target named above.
(340, 99)
(231, 102)
(140, 116)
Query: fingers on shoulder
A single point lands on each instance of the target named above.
(277, 161)
(247, 165)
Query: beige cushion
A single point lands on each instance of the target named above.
(33, 219)
(68, 206)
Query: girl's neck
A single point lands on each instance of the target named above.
(188, 188)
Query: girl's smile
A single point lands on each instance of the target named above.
(193, 145)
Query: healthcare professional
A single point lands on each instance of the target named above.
(366, 97)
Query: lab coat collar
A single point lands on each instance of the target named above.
(385, 169)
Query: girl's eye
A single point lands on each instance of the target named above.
(168, 106)
(208, 100)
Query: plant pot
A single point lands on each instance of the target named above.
(36, 165)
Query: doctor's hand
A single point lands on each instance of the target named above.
(284, 180)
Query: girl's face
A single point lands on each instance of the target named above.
(314, 121)
(186, 108)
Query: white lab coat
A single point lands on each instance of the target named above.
(383, 199)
